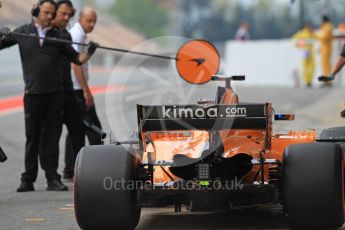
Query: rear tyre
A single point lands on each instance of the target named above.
(100, 199)
(312, 186)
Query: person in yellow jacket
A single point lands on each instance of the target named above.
(305, 42)
(325, 36)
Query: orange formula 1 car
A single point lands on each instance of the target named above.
(213, 155)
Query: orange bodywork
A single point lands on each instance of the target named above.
(242, 141)
(251, 142)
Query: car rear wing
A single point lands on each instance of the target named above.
(198, 117)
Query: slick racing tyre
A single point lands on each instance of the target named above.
(100, 199)
(312, 186)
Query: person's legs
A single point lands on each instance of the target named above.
(69, 150)
(53, 116)
(328, 66)
(42, 157)
(90, 115)
(308, 71)
(42, 147)
(94, 138)
(33, 107)
(325, 53)
(75, 139)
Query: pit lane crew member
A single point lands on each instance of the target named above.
(308, 63)
(80, 75)
(43, 99)
(325, 37)
(73, 113)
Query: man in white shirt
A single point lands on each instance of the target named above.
(80, 76)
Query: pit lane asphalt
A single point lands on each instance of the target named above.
(314, 108)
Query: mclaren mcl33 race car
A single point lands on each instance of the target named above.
(212, 155)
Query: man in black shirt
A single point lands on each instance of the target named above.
(43, 99)
(73, 113)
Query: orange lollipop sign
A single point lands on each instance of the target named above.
(197, 61)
